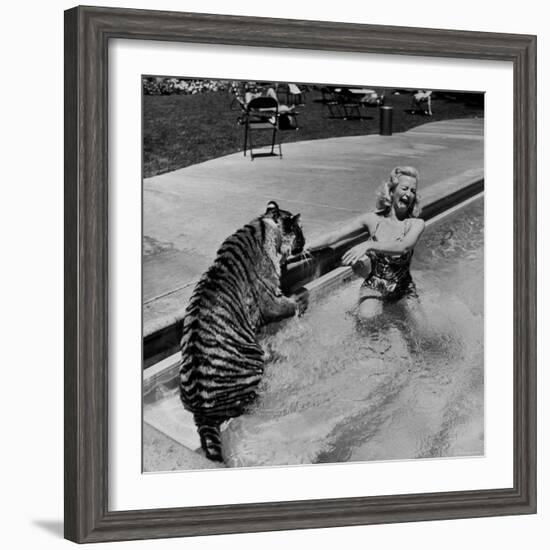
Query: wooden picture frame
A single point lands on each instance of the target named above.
(87, 34)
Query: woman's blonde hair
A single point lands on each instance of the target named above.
(384, 196)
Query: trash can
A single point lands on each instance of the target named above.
(386, 116)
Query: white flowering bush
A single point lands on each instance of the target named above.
(155, 85)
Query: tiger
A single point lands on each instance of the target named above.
(222, 361)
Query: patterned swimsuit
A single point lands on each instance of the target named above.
(390, 277)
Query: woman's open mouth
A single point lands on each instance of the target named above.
(404, 201)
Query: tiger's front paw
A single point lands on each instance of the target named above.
(301, 300)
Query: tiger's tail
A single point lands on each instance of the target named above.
(210, 434)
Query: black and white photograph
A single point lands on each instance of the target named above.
(282, 267)
(312, 273)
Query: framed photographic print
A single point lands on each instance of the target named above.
(300, 274)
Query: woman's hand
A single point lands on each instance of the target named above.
(353, 254)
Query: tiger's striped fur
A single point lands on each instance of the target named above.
(222, 362)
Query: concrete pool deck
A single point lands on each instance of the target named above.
(188, 212)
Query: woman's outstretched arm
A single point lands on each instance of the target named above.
(351, 229)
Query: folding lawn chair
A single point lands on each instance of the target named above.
(261, 115)
(332, 103)
(350, 105)
(294, 95)
(422, 101)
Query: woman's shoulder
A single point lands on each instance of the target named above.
(377, 214)
(372, 218)
(415, 223)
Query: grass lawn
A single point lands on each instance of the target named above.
(180, 130)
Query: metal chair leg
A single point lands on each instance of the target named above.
(273, 139)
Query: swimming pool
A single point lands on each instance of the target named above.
(408, 386)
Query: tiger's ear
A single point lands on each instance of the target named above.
(272, 210)
(296, 218)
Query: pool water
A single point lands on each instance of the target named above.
(409, 385)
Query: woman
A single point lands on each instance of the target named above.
(393, 230)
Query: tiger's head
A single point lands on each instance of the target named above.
(291, 237)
